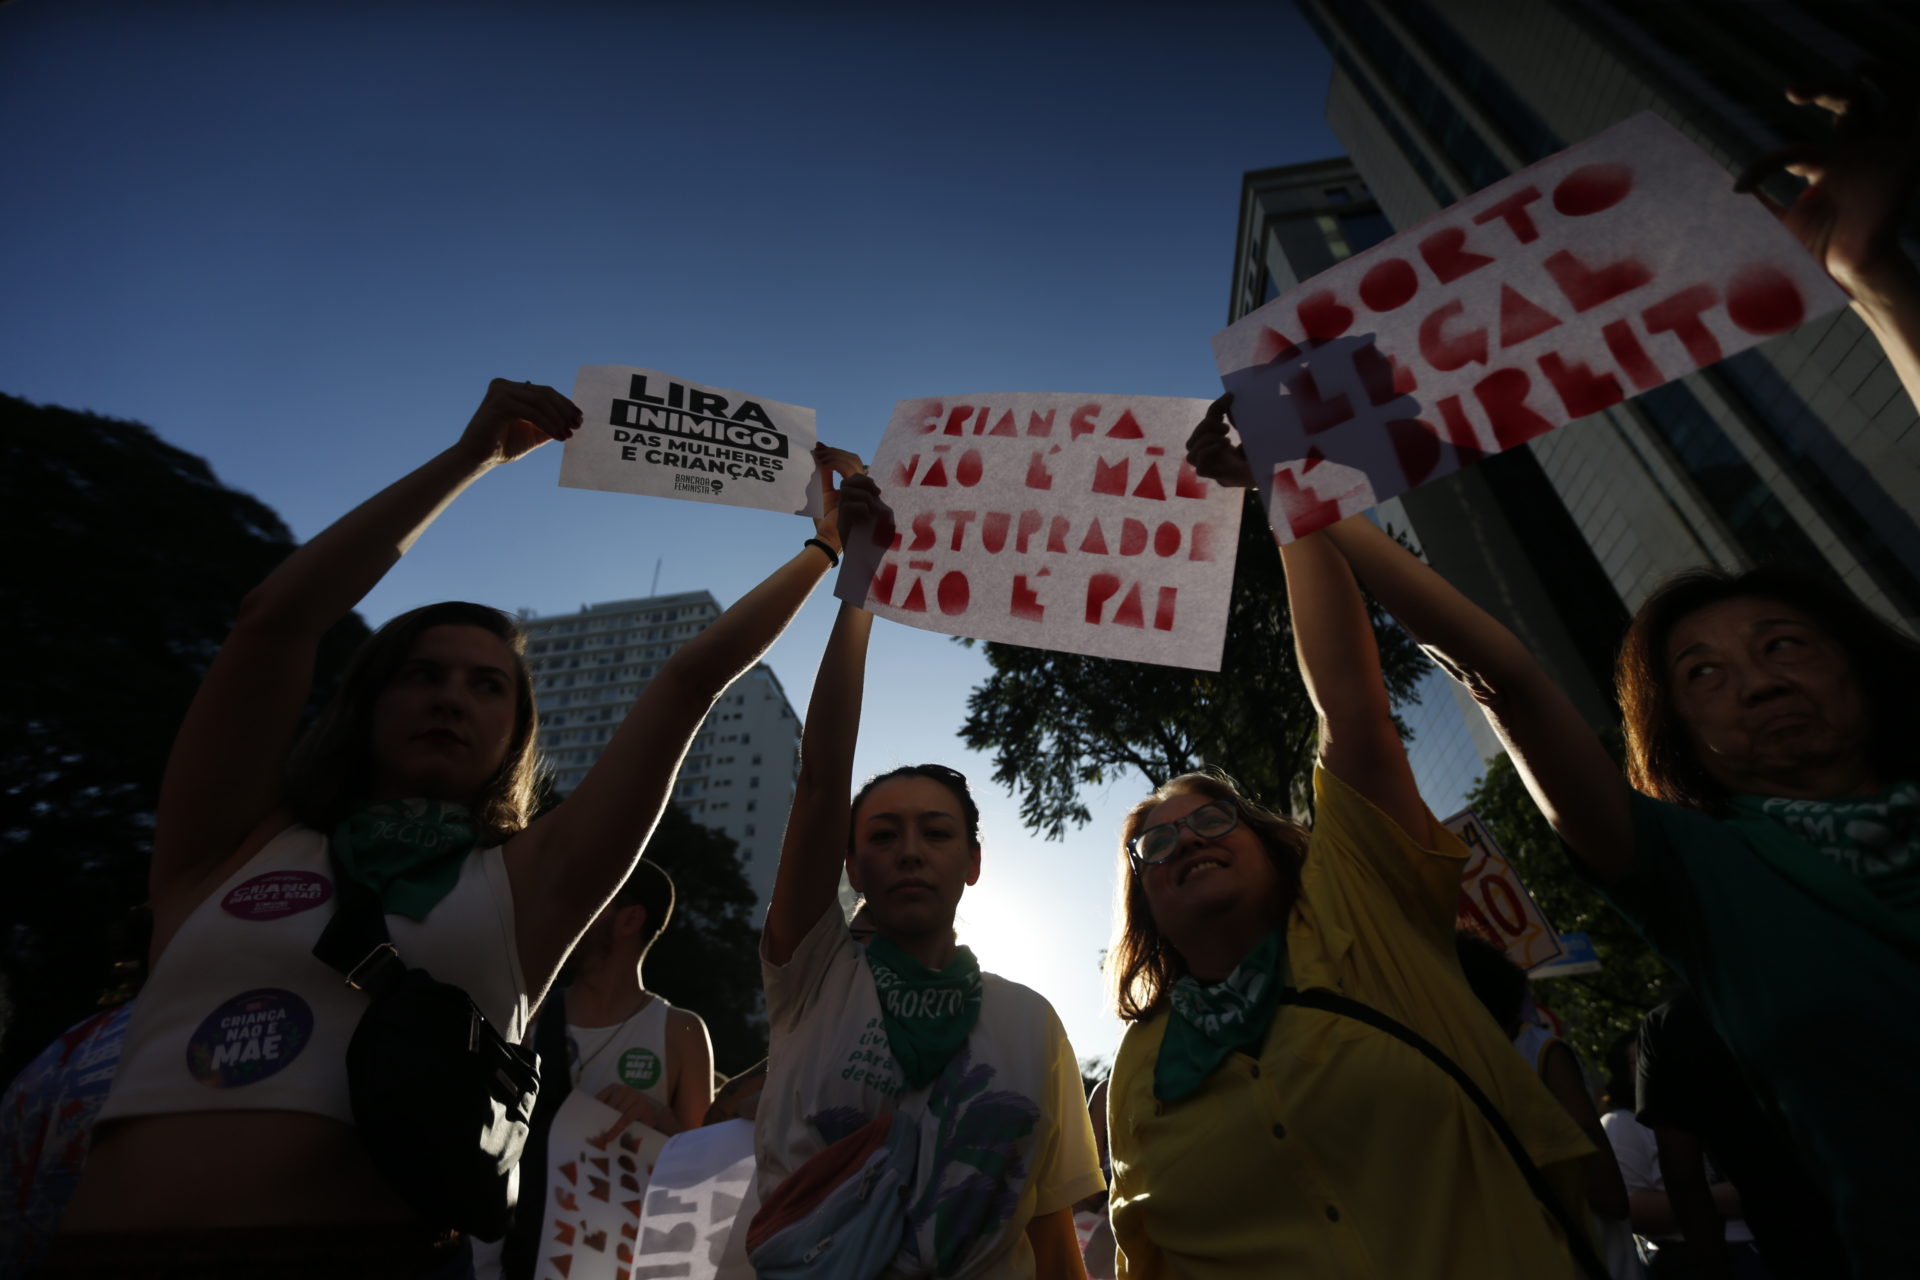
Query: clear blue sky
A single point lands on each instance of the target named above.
(297, 239)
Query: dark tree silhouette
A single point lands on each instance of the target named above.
(1058, 722)
(708, 960)
(126, 561)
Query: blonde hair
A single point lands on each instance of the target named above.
(330, 772)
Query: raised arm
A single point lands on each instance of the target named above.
(1340, 665)
(227, 766)
(565, 866)
(1859, 184)
(1333, 638)
(1576, 784)
(1570, 775)
(815, 845)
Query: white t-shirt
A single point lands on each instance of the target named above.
(1638, 1153)
(638, 1060)
(1005, 1136)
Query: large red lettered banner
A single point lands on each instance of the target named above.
(1604, 271)
(1068, 522)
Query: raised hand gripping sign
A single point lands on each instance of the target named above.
(1607, 270)
(1067, 522)
(652, 433)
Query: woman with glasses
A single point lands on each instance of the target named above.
(1252, 1136)
(905, 1030)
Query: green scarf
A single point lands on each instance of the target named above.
(1875, 838)
(408, 852)
(1208, 1023)
(928, 1013)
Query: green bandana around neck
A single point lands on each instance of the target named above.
(1208, 1023)
(1875, 839)
(408, 852)
(928, 1013)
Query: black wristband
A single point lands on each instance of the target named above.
(831, 553)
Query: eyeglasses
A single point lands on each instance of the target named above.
(1157, 843)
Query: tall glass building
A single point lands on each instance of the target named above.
(1804, 451)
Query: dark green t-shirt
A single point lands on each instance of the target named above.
(1876, 838)
(1813, 981)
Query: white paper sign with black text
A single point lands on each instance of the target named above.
(1068, 522)
(652, 433)
(1598, 273)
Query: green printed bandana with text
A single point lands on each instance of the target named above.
(1208, 1023)
(407, 851)
(928, 1013)
(1876, 838)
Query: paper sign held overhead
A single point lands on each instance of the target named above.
(1495, 904)
(1068, 522)
(1596, 274)
(656, 434)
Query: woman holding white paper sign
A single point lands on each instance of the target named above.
(1767, 845)
(1308, 1086)
(229, 1137)
(956, 1088)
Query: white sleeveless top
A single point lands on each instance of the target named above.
(633, 1053)
(239, 1015)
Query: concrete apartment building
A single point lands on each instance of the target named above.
(1804, 451)
(588, 667)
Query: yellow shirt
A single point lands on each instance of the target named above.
(1343, 1152)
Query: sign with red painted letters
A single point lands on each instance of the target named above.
(1068, 522)
(1495, 904)
(1604, 271)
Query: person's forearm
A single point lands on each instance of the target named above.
(833, 711)
(1468, 640)
(817, 825)
(1888, 299)
(316, 585)
(705, 665)
(1569, 774)
(1332, 635)
(1683, 1170)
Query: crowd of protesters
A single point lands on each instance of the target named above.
(1319, 1075)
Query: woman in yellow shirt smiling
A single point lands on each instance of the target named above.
(1255, 1137)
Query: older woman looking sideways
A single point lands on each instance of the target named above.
(1254, 1138)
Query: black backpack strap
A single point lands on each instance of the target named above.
(1331, 1002)
(520, 1251)
(356, 941)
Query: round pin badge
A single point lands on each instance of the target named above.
(277, 895)
(640, 1068)
(252, 1036)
